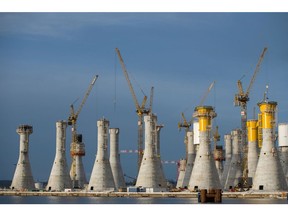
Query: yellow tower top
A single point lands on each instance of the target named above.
(252, 129)
(267, 110)
(205, 114)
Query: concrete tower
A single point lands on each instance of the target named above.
(115, 159)
(204, 174)
(183, 180)
(253, 150)
(101, 177)
(59, 177)
(228, 157)
(77, 172)
(150, 173)
(219, 158)
(269, 174)
(181, 173)
(158, 154)
(23, 179)
(283, 147)
(235, 168)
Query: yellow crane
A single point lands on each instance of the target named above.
(72, 120)
(241, 99)
(140, 110)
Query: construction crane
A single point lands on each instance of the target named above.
(72, 120)
(241, 99)
(140, 110)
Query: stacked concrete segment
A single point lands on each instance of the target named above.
(101, 177)
(181, 173)
(283, 154)
(235, 167)
(115, 159)
(228, 157)
(150, 173)
(218, 157)
(283, 147)
(23, 178)
(184, 181)
(204, 174)
(158, 152)
(269, 175)
(59, 177)
(77, 172)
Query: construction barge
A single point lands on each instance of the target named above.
(237, 195)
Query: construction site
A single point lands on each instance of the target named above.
(252, 161)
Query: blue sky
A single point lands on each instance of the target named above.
(47, 60)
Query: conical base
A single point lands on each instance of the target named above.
(101, 177)
(23, 179)
(269, 174)
(234, 172)
(59, 178)
(204, 174)
(150, 174)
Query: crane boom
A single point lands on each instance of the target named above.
(206, 93)
(86, 95)
(74, 116)
(138, 108)
(256, 71)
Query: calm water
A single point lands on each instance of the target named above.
(124, 200)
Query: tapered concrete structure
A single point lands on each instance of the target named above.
(228, 157)
(269, 174)
(158, 152)
(185, 174)
(150, 173)
(115, 162)
(204, 174)
(253, 150)
(77, 172)
(283, 153)
(181, 173)
(23, 179)
(101, 177)
(235, 168)
(59, 177)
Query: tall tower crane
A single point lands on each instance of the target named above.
(241, 99)
(72, 120)
(140, 110)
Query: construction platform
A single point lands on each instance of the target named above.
(238, 195)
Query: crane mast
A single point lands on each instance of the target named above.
(140, 110)
(241, 100)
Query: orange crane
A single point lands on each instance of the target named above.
(241, 99)
(72, 120)
(140, 110)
